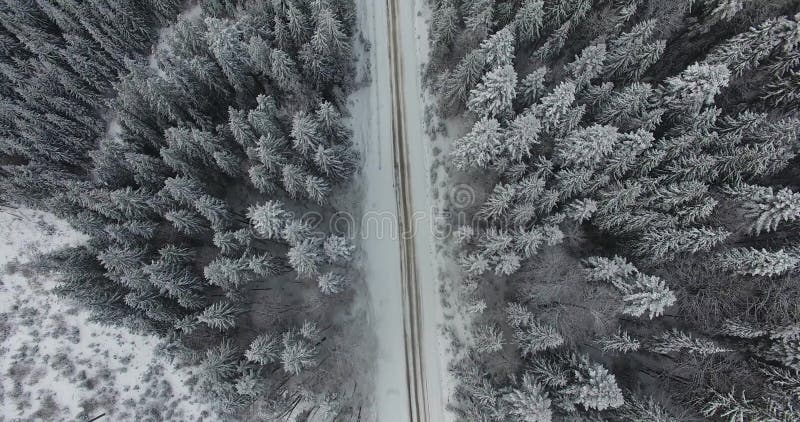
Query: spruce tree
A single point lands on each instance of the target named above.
(751, 261)
(268, 219)
(219, 315)
(264, 349)
(529, 401)
(493, 97)
(305, 257)
(331, 283)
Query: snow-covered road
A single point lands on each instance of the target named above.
(404, 297)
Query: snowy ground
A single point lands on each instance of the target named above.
(56, 365)
(371, 111)
(414, 44)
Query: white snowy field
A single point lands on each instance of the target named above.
(58, 366)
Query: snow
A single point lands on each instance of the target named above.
(57, 365)
(371, 108)
(414, 44)
(371, 111)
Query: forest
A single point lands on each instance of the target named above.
(199, 146)
(632, 253)
(636, 254)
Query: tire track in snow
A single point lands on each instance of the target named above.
(412, 324)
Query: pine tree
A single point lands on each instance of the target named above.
(586, 147)
(522, 135)
(637, 409)
(174, 255)
(184, 189)
(121, 259)
(284, 71)
(228, 273)
(297, 354)
(555, 106)
(327, 49)
(294, 180)
(588, 65)
(493, 97)
(305, 133)
(498, 202)
(748, 50)
(767, 209)
(305, 257)
(271, 151)
(240, 128)
(631, 108)
(268, 219)
(296, 230)
(531, 87)
(263, 118)
(743, 330)
(494, 241)
(647, 294)
(265, 265)
(488, 339)
(331, 283)
(620, 343)
(480, 147)
(751, 261)
(220, 363)
(479, 16)
(317, 189)
(665, 244)
(455, 86)
(581, 210)
(444, 23)
(337, 162)
(148, 172)
(185, 221)
(600, 390)
(225, 43)
(250, 384)
(529, 401)
(571, 181)
(678, 341)
(507, 263)
(785, 90)
(528, 241)
(338, 249)
(463, 235)
(264, 349)
(694, 88)
(262, 179)
(533, 338)
(529, 20)
(632, 53)
(214, 210)
(474, 264)
(735, 408)
(499, 49)
(219, 315)
(232, 242)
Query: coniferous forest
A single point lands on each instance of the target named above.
(629, 251)
(636, 255)
(187, 147)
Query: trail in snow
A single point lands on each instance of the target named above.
(418, 159)
(372, 111)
